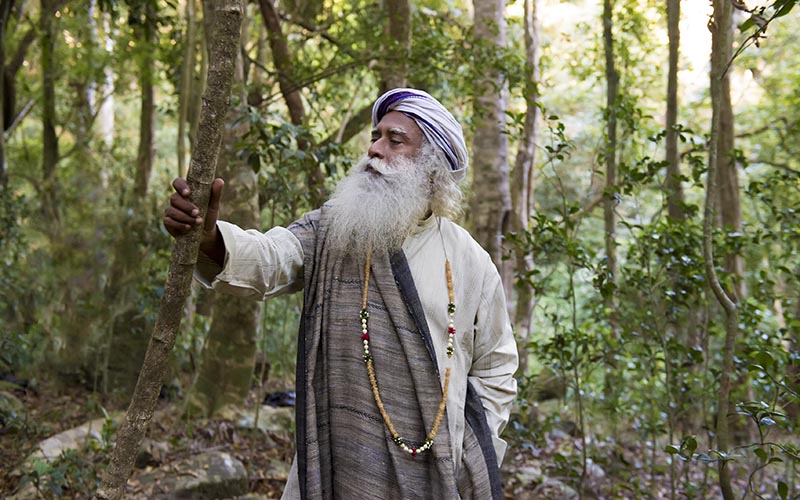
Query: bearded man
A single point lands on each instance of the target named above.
(406, 356)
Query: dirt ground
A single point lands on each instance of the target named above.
(611, 471)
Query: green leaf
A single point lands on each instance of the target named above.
(749, 23)
(783, 490)
(764, 359)
(671, 449)
(766, 421)
(784, 9)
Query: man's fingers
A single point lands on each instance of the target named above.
(216, 194)
(182, 204)
(181, 186)
(213, 204)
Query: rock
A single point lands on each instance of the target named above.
(207, 476)
(277, 470)
(529, 474)
(552, 489)
(73, 439)
(151, 454)
(270, 419)
(12, 412)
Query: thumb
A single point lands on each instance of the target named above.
(213, 204)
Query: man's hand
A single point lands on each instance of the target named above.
(181, 216)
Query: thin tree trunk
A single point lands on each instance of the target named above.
(522, 192)
(491, 200)
(397, 43)
(730, 211)
(226, 367)
(673, 181)
(147, 121)
(224, 47)
(49, 139)
(187, 77)
(720, 54)
(5, 12)
(610, 201)
(291, 94)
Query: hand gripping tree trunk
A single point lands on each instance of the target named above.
(224, 44)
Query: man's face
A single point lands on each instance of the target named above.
(395, 136)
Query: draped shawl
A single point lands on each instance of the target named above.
(344, 450)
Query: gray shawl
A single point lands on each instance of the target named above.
(344, 450)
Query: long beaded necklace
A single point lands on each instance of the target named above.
(373, 381)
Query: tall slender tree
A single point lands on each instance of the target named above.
(146, 40)
(522, 192)
(186, 83)
(282, 58)
(491, 195)
(397, 43)
(720, 147)
(673, 180)
(610, 200)
(50, 154)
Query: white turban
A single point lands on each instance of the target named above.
(438, 124)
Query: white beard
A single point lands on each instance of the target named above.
(378, 210)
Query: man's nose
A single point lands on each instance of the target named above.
(376, 149)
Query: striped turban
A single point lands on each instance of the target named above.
(438, 124)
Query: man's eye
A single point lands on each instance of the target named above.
(395, 141)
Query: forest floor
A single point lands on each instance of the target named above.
(634, 471)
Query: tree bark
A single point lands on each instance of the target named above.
(224, 46)
(522, 193)
(673, 180)
(730, 211)
(397, 44)
(187, 78)
(720, 55)
(226, 367)
(491, 200)
(147, 120)
(5, 12)
(609, 205)
(291, 95)
(49, 139)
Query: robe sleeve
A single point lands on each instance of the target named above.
(257, 265)
(495, 358)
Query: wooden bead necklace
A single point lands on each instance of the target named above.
(373, 381)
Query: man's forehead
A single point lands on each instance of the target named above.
(395, 121)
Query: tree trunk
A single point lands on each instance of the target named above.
(673, 180)
(522, 193)
(105, 115)
(396, 43)
(226, 367)
(720, 55)
(50, 154)
(224, 47)
(5, 13)
(728, 180)
(187, 78)
(609, 204)
(491, 200)
(282, 59)
(147, 121)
